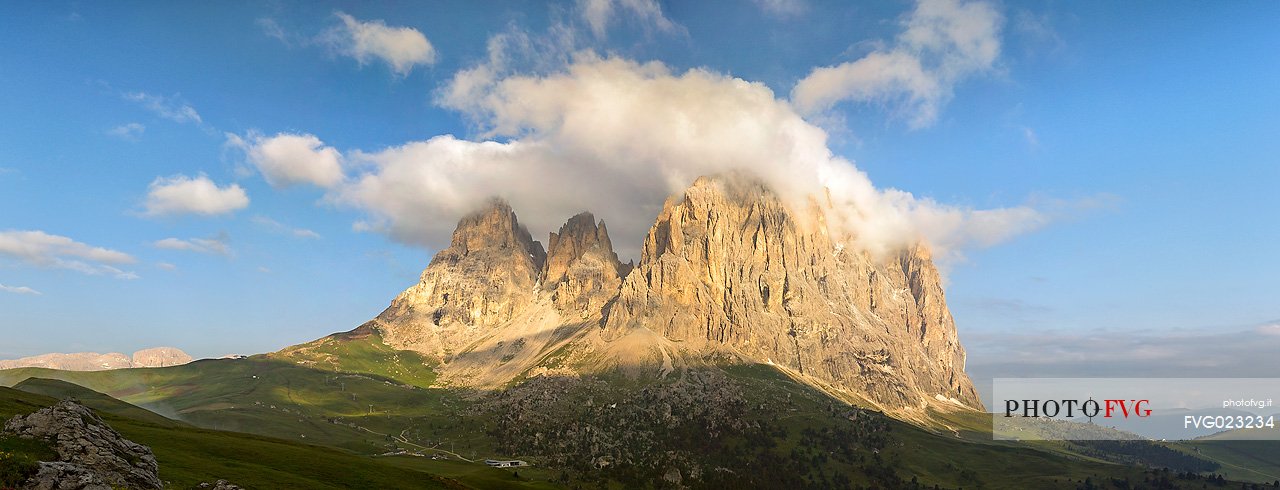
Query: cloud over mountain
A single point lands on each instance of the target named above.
(617, 136)
(562, 129)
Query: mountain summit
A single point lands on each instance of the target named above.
(727, 274)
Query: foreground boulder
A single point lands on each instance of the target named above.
(91, 455)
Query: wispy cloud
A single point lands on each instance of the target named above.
(19, 290)
(41, 249)
(1033, 140)
(173, 108)
(273, 29)
(217, 245)
(942, 43)
(180, 194)
(599, 14)
(1269, 328)
(281, 228)
(128, 132)
(402, 48)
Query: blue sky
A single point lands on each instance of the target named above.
(1128, 153)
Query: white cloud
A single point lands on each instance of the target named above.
(400, 47)
(1272, 329)
(172, 108)
(216, 245)
(192, 195)
(598, 14)
(287, 159)
(128, 132)
(783, 8)
(281, 228)
(617, 137)
(943, 42)
(19, 290)
(41, 249)
(166, 266)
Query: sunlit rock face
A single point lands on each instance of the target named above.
(728, 266)
(582, 270)
(486, 276)
(728, 271)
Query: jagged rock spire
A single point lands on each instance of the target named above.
(582, 269)
(485, 277)
(727, 271)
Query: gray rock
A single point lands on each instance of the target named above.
(65, 476)
(220, 485)
(82, 439)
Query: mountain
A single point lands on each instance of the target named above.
(93, 361)
(727, 274)
(728, 267)
(748, 347)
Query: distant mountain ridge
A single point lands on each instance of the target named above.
(728, 273)
(93, 361)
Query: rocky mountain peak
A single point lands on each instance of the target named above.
(495, 227)
(486, 276)
(582, 270)
(728, 270)
(579, 236)
(727, 266)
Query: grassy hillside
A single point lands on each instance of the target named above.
(188, 455)
(743, 426)
(100, 402)
(362, 413)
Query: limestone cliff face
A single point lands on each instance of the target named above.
(727, 270)
(582, 271)
(486, 276)
(727, 266)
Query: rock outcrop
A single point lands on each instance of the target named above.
(487, 275)
(93, 361)
(59, 475)
(728, 271)
(582, 270)
(220, 485)
(727, 266)
(90, 452)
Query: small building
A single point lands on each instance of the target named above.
(505, 463)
